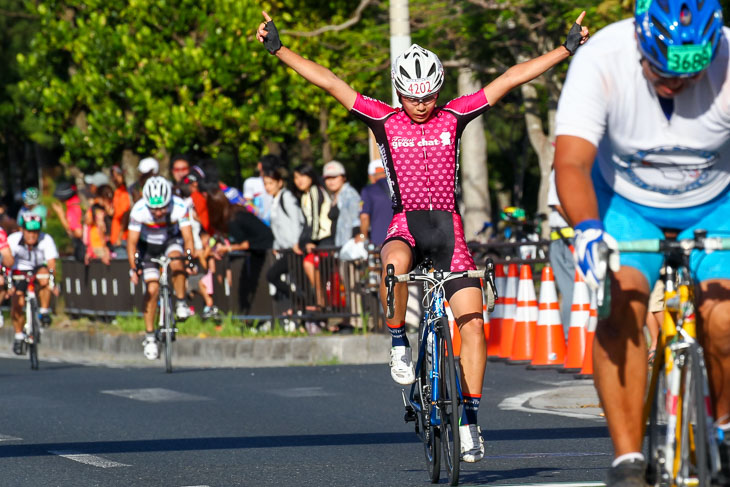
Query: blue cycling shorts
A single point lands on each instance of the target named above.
(626, 220)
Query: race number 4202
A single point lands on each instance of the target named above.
(420, 88)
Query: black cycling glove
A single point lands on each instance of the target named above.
(272, 43)
(572, 43)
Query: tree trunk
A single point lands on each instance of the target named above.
(474, 177)
(542, 143)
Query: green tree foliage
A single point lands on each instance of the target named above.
(159, 77)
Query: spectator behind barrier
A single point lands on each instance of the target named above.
(179, 167)
(287, 222)
(377, 205)
(345, 209)
(317, 231)
(68, 210)
(121, 205)
(93, 182)
(236, 228)
(146, 168)
(257, 199)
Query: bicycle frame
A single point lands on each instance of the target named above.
(680, 360)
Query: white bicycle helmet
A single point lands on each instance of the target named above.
(157, 192)
(417, 73)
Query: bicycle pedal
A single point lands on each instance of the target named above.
(410, 415)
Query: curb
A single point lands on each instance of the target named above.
(101, 347)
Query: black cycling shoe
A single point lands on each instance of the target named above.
(18, 347)
(723, 476)
(46, 319)
(629, 473)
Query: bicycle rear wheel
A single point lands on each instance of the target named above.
(449, 400)
(656, 472)
(430, 435)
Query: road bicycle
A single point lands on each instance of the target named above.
(435, 397)
(166, 329)
(682, 444)
(32, 327)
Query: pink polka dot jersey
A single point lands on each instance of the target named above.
(421, 160)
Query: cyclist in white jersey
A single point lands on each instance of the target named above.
(642, 147)
(159, 223)
(35, 251)
(419, 147)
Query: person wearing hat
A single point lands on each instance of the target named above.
(32, 204)
(93, 182)
(345, 209)
(34, 251)
(68, 211)
(146, 168)
(377, 205)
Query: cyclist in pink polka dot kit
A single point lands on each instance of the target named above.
(419, 146)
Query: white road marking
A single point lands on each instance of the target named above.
(522, 456)
(154, 394)
(526, 402)
(557, 484)
(10, 438)
(303, 392)
(87, 459)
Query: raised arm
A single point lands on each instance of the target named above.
(529, 70)
(314, 73)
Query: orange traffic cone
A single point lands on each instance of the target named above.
(509, 309)
(587, 370)
(495, 321)
(549, 334)
(580, 313)
(523, 343)
(455, 335)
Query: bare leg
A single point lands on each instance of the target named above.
(715, 320)
(619, 359)
(467, 307)
(150, 305)
(399, 254)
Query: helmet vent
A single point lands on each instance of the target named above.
(707, 27)
(685, 16)
(418, 68)
(664, 5)
(658, 25)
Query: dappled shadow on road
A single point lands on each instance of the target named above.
(193, 444)
(242, 443)
(547, 473)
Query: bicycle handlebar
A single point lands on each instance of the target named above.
(440, 277)
(708, 244)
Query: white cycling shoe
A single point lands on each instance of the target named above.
(151, 348)
(401, 365)
(183, 311)
(472, 443)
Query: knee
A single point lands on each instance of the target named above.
(717, 328)
(472, 330)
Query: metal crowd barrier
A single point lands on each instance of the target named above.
(340, 290)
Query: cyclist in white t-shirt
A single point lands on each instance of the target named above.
(159, 224)
(642, 146)
(34, 251)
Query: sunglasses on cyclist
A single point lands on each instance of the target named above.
(417, 101)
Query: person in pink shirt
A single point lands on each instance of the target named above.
(68, 210)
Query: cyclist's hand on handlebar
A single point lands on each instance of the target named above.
(591, 240)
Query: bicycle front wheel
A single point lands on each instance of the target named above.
(430, 435)
(168, 327)
(34, 337)
(449, 401)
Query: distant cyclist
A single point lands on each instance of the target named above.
(643, 125)
(159, 224)
(6, 261)
(31, 204)
(419, 148)
(34, 251)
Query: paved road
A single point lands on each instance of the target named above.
(81, 425)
